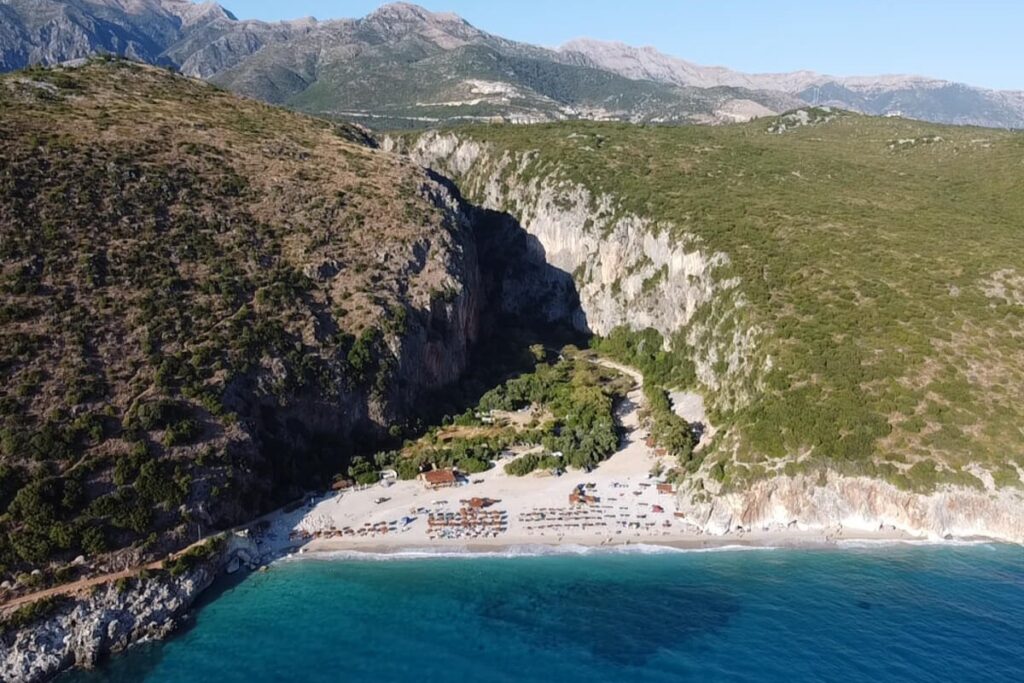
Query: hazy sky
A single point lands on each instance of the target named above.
(974, 41)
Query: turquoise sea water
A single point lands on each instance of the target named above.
(894, 613)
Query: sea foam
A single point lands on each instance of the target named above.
(515, 551)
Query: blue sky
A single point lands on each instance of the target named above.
(974, 41)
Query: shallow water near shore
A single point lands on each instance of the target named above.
(893, 613)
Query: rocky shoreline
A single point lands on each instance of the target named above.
(84, 629)
(782, 512)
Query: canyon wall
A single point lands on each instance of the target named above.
(628, 270)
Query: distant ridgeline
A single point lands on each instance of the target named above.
(402, 66)
(848, 292)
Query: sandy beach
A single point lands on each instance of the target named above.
(625, 507)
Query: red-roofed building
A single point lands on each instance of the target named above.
(439, 479)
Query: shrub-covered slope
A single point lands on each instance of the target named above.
(853, 286)
(203, 302)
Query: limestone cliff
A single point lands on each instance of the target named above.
(628, 270)
(858, 503)
(109, 620)
(100, 620)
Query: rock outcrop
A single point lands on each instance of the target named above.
(859, 503)
(110, 619)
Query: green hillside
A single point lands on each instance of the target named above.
(202, 300)
(881, 263)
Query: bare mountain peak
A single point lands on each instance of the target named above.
(192, 12)
(650, 63)
(408, 12)
(584, 44)
(433, 64)
(399, 20)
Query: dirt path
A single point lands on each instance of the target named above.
(77, 586)
(624, 369)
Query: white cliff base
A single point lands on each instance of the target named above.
(111, 617)
(858, 504)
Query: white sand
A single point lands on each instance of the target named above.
(624, 513)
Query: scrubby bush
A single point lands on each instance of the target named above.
(195, 556)
(363, 471)
(32, 612)
(183, 432)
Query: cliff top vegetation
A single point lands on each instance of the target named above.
(879, 262)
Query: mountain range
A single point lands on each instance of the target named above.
(403, 66)
(916, 97)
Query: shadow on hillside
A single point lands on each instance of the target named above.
(528, 302)
(524, 302)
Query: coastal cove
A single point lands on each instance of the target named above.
(388, 349)
(619, 509)
(855, 613)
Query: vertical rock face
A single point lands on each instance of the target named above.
(520, 284)
(435, 350)
(628, 270)
(428, 351)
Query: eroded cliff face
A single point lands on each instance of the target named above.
(434, 350)
(627, 269)
(858, 503)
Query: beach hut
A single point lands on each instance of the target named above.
(666, 488)
(439, 479)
